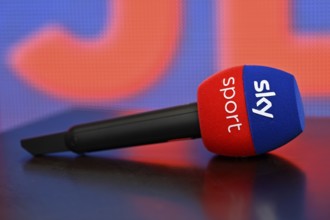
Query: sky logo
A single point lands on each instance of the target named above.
(264, 84)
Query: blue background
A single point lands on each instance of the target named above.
(194, 61)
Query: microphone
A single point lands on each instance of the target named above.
(242, 111)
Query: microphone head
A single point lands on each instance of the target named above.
(249, 110)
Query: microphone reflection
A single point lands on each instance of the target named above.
(265, 187)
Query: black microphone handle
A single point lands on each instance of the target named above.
(146, 128)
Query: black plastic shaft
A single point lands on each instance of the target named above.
(140, 129)
(146, 128)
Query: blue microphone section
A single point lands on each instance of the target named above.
(274, 107)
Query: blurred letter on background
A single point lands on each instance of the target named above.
(260, 32)
(130, 55)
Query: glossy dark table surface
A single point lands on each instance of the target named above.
(174, 180)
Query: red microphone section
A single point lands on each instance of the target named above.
(223, 115)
